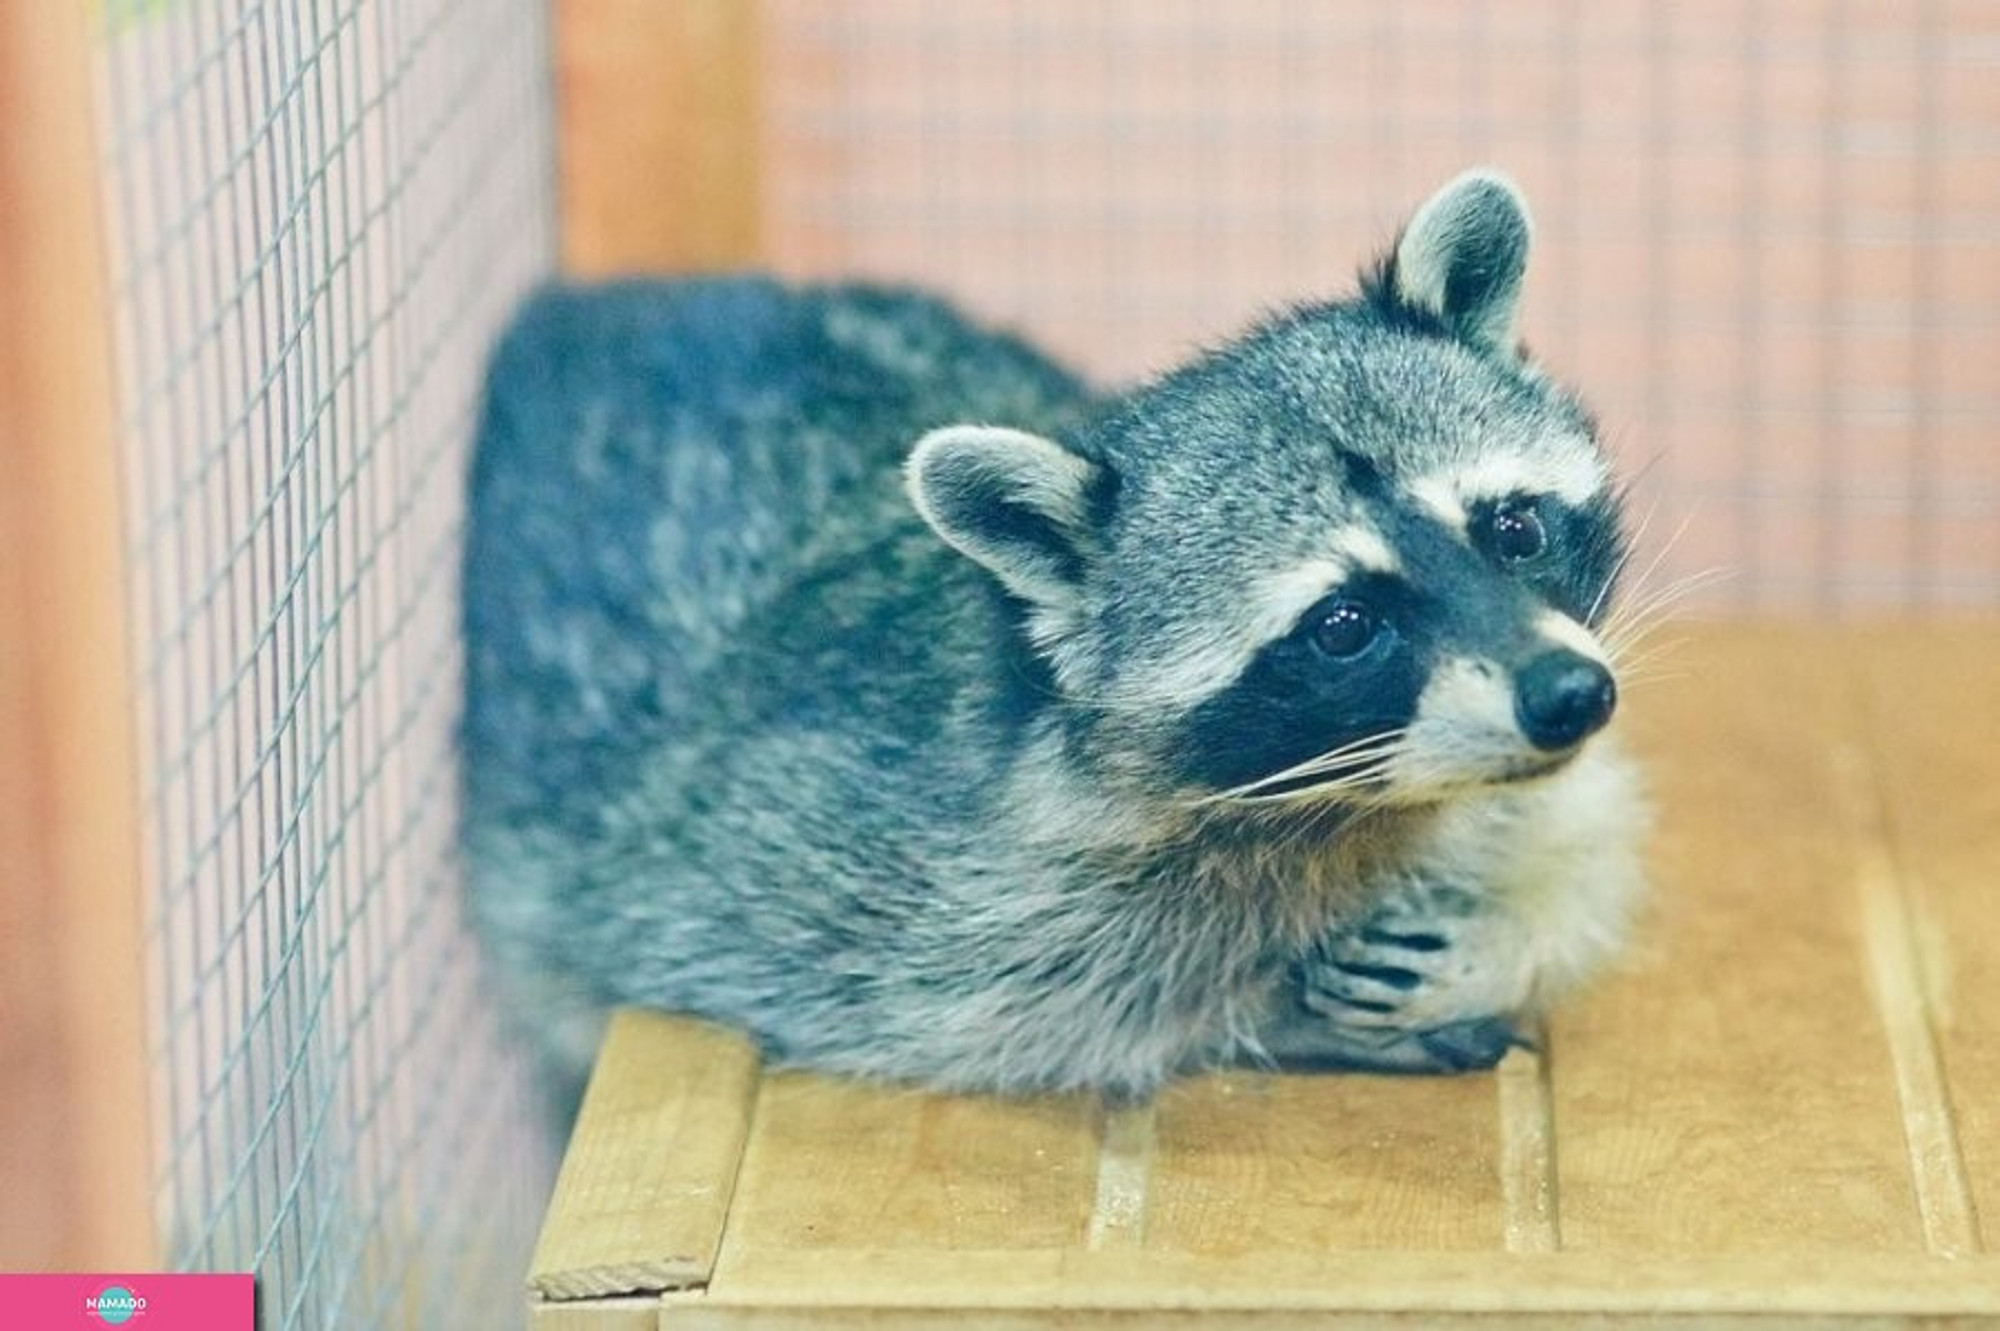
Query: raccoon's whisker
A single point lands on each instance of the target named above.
(1639, 474)
(1075, 702)
(1659, 661)
(1611, 579)
(1655, 561)
(1645, 668)
(1372, 746)
(1647, 614)
(1648, 654)
(1315, 791)
(1264, 787)
(1698, 580)
(1332, 772)
(1655, 598)
(1632, 620)
(1653, 611)
(1361, 752)
(1604, 588)
(1644, 663)
(1347, 765)
(1377, 739)
(1648, 678)
(1340, 756)
(1305, 792)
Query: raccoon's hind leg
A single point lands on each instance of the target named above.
(1431, 981)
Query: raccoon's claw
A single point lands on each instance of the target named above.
(1360, 995)
(1375, 975)
(1426, 963)
(1423, 984)
(1464, 1046)
(1472, 1046)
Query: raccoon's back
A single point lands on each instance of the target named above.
(658, 458)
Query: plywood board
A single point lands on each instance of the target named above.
(645, 1187)
(1731, 1089)
(1336, 1163)
(828, 1160)
(1931, 711)
(1781, 1106)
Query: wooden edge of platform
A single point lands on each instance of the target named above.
(1567, 1283)
(1069, 1287)
(645, 1185)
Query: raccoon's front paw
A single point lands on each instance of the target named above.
(1430, 963)
(1428, 983)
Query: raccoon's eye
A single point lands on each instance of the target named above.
(1345, 630)
(1517, 534)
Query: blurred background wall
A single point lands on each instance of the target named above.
(1769, 230)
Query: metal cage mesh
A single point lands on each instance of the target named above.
(320, 210)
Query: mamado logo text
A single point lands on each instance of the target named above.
(114, 1305)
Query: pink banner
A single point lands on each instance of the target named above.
(142, 1302)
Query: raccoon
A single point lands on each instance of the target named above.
(859, 677)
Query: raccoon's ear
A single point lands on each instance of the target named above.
(1015, 502)
(1461, 258)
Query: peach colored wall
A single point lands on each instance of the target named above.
(1769, 232)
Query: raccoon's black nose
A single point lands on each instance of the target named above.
(1561, 697)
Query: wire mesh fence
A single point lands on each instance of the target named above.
(320, 210)
(1769, 245)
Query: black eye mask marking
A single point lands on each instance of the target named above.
(1298, 699)
(1566, 554)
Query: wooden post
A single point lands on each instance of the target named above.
(75, 1146)
(659, 135)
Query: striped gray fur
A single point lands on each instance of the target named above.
(1033, 757)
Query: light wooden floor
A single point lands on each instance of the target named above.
(1786, 1106)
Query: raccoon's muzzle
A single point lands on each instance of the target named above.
(1561, 698)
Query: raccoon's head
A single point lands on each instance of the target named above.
(1358, 553)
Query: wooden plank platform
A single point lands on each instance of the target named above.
(1783, 1109)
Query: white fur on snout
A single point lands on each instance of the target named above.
(1464, 729)
(1563, 631)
